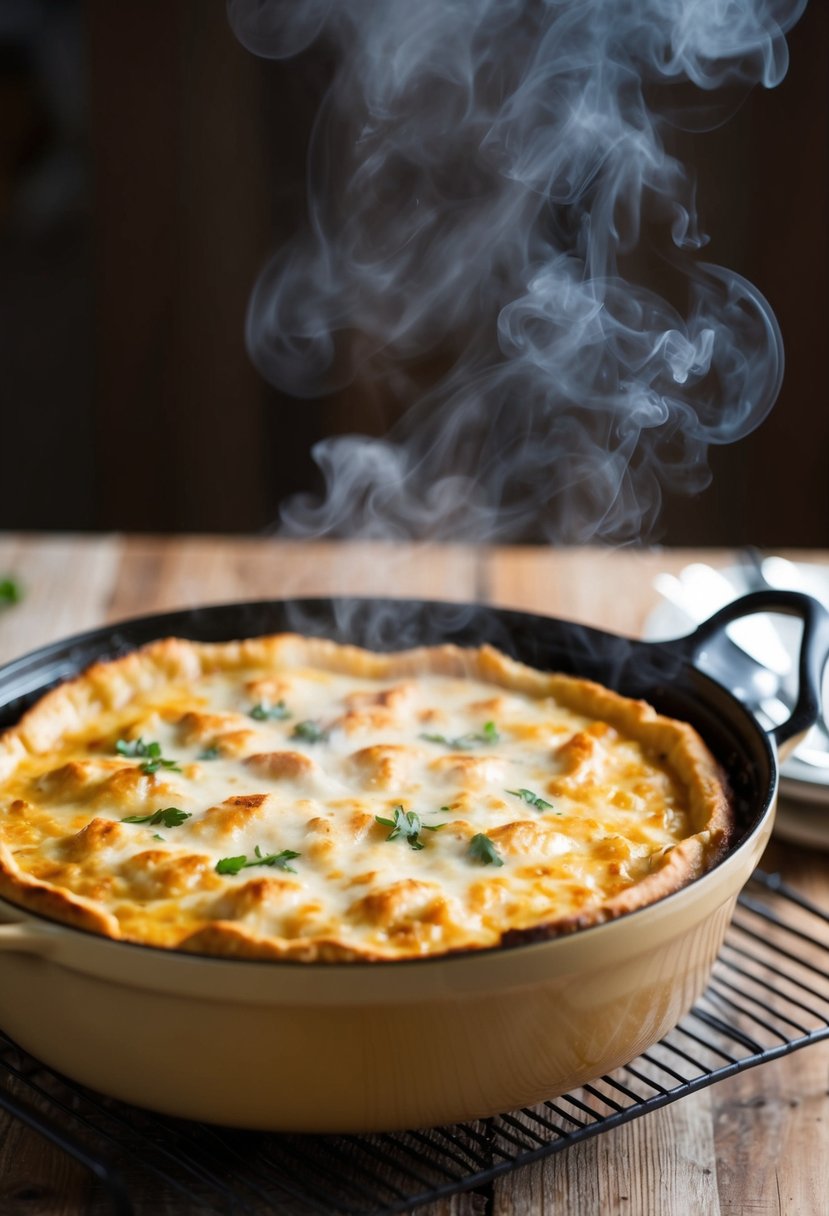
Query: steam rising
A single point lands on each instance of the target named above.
(481, 175)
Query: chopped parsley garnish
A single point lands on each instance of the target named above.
(532, 799)
(310, 732)
(151, 751)
(483, 850)
(10, 591)
(233, 865)
(209, 753)
(156, 836)
(134, 747)
(170, 816)
(489, 734)
(408, 825)
(156, 762)
(262, 712)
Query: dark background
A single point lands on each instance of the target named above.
(148, 164)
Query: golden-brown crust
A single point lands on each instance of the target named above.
(52, 902)
(414, 916)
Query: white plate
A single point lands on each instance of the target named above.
(806, 784)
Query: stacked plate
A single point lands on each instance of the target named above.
(772, 641)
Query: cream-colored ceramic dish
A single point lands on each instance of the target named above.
(356, 1047)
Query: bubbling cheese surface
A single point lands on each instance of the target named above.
(305, 800)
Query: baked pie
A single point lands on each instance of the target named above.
(290, 797)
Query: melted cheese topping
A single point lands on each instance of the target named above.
(327, 813)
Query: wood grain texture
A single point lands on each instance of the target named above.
(770, 1134)
(609, 589)
(751, 1146)
(67, 581)
(663, 1162)
(157, 574)
(38, 1179)
(771, 1125)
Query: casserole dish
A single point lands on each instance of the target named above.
(367, 1046)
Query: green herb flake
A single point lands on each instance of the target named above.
(481, 849)
(151, 752)
(169, 816)
(152, 766)
(209, 753)
(279, 860)
(158, 837)
(464, 743)
(131, 747)
(10, 591)
(262, 712)
(408, 825)
(531, 799)
(309, 732)
(233, 865)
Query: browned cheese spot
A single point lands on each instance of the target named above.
(387, 698)
(233, 743)
(364, 879)
(281, 766)
(359, 824)
(196, 727)
(98, 834)
(492, 707)
(129, 789)
(521, 837)
(263, 891)
(76, 780)
(267, 690)
(357, 720)
(233, 815)
(399, 904)
(383, 765)
(486, 896)
(25, 824)
(322, 844)
(472, 772)
(156, 874)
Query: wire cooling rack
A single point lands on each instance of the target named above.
(768, 996)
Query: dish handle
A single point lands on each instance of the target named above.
(814, 651)
(26, 937)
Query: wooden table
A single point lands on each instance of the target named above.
(758, 1143)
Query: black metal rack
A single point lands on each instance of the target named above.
(768, 996)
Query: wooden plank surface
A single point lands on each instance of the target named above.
(756, 1144)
